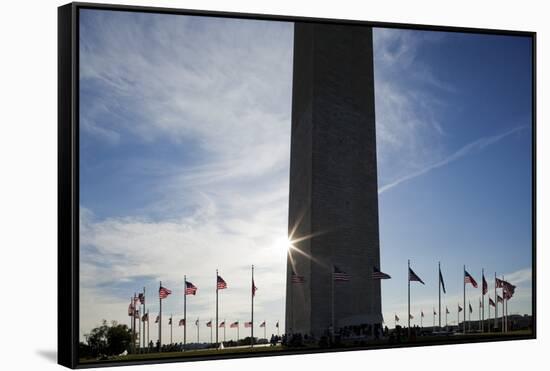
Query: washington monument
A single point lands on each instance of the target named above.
(333, 202)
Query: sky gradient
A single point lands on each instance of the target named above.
(185, 150)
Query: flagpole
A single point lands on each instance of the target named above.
(130, 308)
(132, 324)
(198, 329)
(507, 315)
(216, 306)
(503, 308)
(184, 311)
(439, 279)
(332, 305)
(224, 326)
(464, 284)
(421, 317)
(469, 316)
(171, 327)
(265, 325)
(210, 331)
(148, 328)
(433, 311)
(489, 309)
(482, 300)
(507, 322)
(409, 297)
(480, 314)
(238, 325)
(291, 301)
(135, 324)
(252, 311)
(139, 332)
(144, 300)
(496, 303)
(160, 318)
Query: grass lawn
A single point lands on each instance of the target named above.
(269, 349)
(190, 353)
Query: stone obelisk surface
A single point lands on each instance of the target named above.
(333, 201)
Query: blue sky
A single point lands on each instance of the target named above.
(454, 146)
(185, 139)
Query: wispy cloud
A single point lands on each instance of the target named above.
(410, 126)
(213, 89)
(468, 149)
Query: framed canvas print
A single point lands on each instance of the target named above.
(242, 185)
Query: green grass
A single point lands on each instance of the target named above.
(189, 353)
(279, 348)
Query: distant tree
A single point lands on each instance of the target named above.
(119, 338)
(247, 341)
(84, 350)
(108, 339)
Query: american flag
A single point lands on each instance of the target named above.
(377, 275)
(209, 323)
(181, 322)
(499, 299)
(470, 307)
(296, 279)
(157, 319)
(469, 279)
(411, 316)
(197, 322)
(481, 306)
(277, 324)
(145, 317)
(136, 314)
(222, 325)
(136, 299)
(262, 324)
(491, 302)
(459, 308)
(190, 289)
(484, 286)
(234, 325)
(499, 283)
(396, 318)
(447, 310)
(131, 309)
(164, 292)
(414, 277)
(254, 288)
(435, 313)
(221, 284)
(509, 290)
(421, 314)
(442, 282)
(170, 320)
(141, 298)
(248, 324)
(339, 275)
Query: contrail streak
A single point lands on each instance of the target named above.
(477, 145)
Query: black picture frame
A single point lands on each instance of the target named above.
(68, 174)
